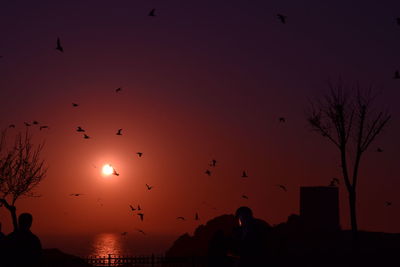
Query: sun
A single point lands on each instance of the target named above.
(107, 169)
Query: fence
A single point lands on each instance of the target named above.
(146, 261)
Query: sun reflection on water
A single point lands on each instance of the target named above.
(107, 243)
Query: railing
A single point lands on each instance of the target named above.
(145, 261)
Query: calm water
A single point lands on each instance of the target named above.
(108, 243)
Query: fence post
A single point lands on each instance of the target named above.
(109, 259)
(152, 260)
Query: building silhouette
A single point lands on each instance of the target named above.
(319, 208)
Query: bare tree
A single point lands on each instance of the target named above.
(349, 120)
(21, 170)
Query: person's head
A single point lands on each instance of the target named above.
(25, 221)
(244, 215)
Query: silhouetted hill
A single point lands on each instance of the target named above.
(293, 244)
(197, 244)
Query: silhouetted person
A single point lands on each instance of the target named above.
(23, 247)
(250, 239)
(218, 250)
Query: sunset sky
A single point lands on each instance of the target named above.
(200, 80)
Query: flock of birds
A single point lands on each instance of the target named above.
(139, 212)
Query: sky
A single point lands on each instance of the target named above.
(200, 80)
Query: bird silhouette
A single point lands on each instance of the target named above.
(86, 136)
(379, 150)
(119, 89)
(282, 119)
(140, 154)
(196, 216)
(75, 105)
(76, 195)
(245, 197)
(396, 75)
(141, 231)
(80, 129)
(141, 215)
(43, 127)
(59, 47)
(208, 172)
(149, 187)
(244, 174)
(132, 208)
(119, 132)
(334, 182)
(282, 18)
(115, 172)
(181, 218)
(388, 203)
(11, 126)
(138, 207)
(213, 163)
(282, 187)
(35, 122)
(124, 233)
(152, 12)
(27, 124)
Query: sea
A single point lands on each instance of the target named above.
(104, 244)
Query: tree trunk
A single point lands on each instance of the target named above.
(353, 218)
(13, 212)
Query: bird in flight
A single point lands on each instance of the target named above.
(180, 218)
(138, 207)
(76, 195)
(27, 124)
(208, 172)
(141, 215)
(43, 127)
(59, 47)
(379, 149)
(140, 154)
(11, 126)
(86, 136)
(334, 182)
(282, 119)
(119, 132)
(115, 172)
(396, 75)
(245, 197)
(119, 89)
(79, 129)
(282, 18)
(196, 216)
(282, 187)
(141, 231)
(75, 105)
(149, 187)
(388, 203)
(244, 174)
(132, 208)
(213, 163)
(35, 122)
(152, 13)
